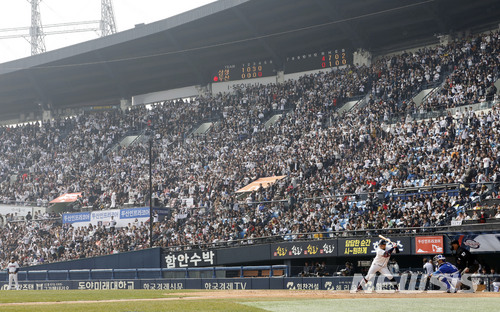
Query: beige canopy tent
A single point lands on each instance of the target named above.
(262, 182)
(67, 198)
(63, 203)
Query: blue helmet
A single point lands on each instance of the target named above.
(439, 257)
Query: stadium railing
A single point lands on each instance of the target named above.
(439, 111)
(491, 224)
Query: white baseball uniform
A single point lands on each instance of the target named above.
(379, 264)
(13, 267)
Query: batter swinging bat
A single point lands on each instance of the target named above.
(385, 238)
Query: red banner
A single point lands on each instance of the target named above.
(428, 245)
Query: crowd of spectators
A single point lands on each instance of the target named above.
(462, 72)
(475, 72)
(323, 155)
(43, 239)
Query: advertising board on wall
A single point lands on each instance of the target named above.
(478, 243)
(122, 217)
(231, 86)
(311, 249)
(425, 245)
(367, 246)
(335, 247)
(99, 284)
(188, 259)
(356, 246)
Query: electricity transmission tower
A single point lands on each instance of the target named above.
(36, 29)
(36, 33)
(108, 26)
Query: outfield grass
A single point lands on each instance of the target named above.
(55, 301)
(457, 304)
(148, 306)
(73, 300)
(83, 295)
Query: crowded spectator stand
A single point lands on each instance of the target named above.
(355, 171)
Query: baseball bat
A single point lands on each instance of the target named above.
(385, 238)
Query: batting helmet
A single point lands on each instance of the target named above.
(382, 242)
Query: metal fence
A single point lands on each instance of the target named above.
(491, 224)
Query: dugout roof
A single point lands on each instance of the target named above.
(185, 49)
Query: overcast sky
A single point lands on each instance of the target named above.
(128, 13)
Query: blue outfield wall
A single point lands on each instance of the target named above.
(330, 283)
(407, 282)
(146, 258)
(306, 283)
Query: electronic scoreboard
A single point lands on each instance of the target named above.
(244, 71)
(317, 60)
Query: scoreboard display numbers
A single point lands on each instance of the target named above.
(317, 60)
(293, 64)
(244, 71)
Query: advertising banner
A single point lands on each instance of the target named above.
(77, 217)
(380, 283)
(152, 284)
(229, 284)
(311, 249)
(403, 244)
(428, 245)
(336, 283)
(134, 213)
(478, 243)
(367, 246)
(67, 285)
(309, 283)
(188, 259)
(356, 246)
(122, 217)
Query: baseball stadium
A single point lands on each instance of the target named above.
(257, 155)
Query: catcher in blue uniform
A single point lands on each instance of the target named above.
(446, 273)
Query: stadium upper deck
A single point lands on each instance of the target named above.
(185, 49)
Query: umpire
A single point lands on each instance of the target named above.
(466, 262)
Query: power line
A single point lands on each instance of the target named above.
(36, 33)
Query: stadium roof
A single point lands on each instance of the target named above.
(186, 49)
